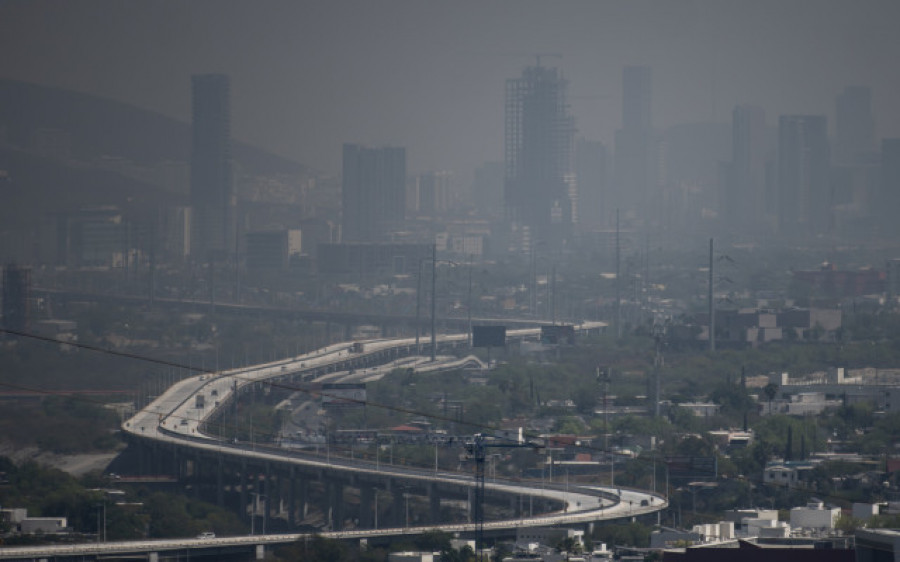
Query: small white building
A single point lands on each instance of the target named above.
(414, 556)
(701, 409)
(814, 516)
(45, 525)
(865, 511)
(786, 473)
(713, 532)
(766, 528)
(548, 536)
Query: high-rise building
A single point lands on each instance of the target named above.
(855, 125)
(213, 198)
(742, 202)
(431, 193)
(591, 168)
(487, 189)
(16, 297)
(540, 192)
(804, 183)
(373, 192)
(888, 201)
(634, 166)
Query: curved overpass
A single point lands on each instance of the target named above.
(177, 417)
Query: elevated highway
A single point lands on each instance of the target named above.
(172, 430)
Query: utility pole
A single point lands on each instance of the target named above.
(603, 378)
(418, 303)
(712, 306)
(433, 298)
(553, 293)
(469, 307)
(618, 281)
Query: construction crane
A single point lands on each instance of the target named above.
(476, 450)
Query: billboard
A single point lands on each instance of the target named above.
(488, 336)
(692, 468)
(562, 334)
(343, 395)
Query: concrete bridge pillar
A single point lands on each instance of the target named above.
(336, 504)
(398, 514)
(470, 493)
(245, 482)
(348, 332)
(366, 513)
(220, 481)
(196, 474)
(303, 492)
(434, 503)
(292, 497)
(267, 492)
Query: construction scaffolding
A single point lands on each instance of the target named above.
(540, 188)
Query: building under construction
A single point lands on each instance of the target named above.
(540, 190)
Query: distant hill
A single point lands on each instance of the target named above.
(105, 127)
(37, 187)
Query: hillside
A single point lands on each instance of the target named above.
(105, 127)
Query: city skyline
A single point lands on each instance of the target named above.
(308, 78)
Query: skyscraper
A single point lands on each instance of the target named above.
(742, 204)
(539, 184)
(591, 167)
(16, 297)
(373, 192)
(855, 125)
(804, 184)
(213, 198)
(888, 201)
(633, 144)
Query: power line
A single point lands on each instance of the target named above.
(476, 427)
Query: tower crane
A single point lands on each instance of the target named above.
(476, 450)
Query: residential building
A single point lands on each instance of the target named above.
(814, 516)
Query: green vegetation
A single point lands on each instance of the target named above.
(60, 424)
(49, 492)
(320, 549)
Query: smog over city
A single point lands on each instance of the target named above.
(463, 280)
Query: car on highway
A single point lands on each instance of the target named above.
(206, 535)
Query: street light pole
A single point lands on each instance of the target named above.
(469, 306)
(433, 295)
(418, 303)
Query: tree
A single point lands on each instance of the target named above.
(770, 390)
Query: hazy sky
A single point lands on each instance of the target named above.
(429, 75)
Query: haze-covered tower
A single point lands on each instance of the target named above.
(373, 192)
(804, 164)
(855, 126)
(540, 191)
(213, 199)
(16, 297)
(634, 177)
